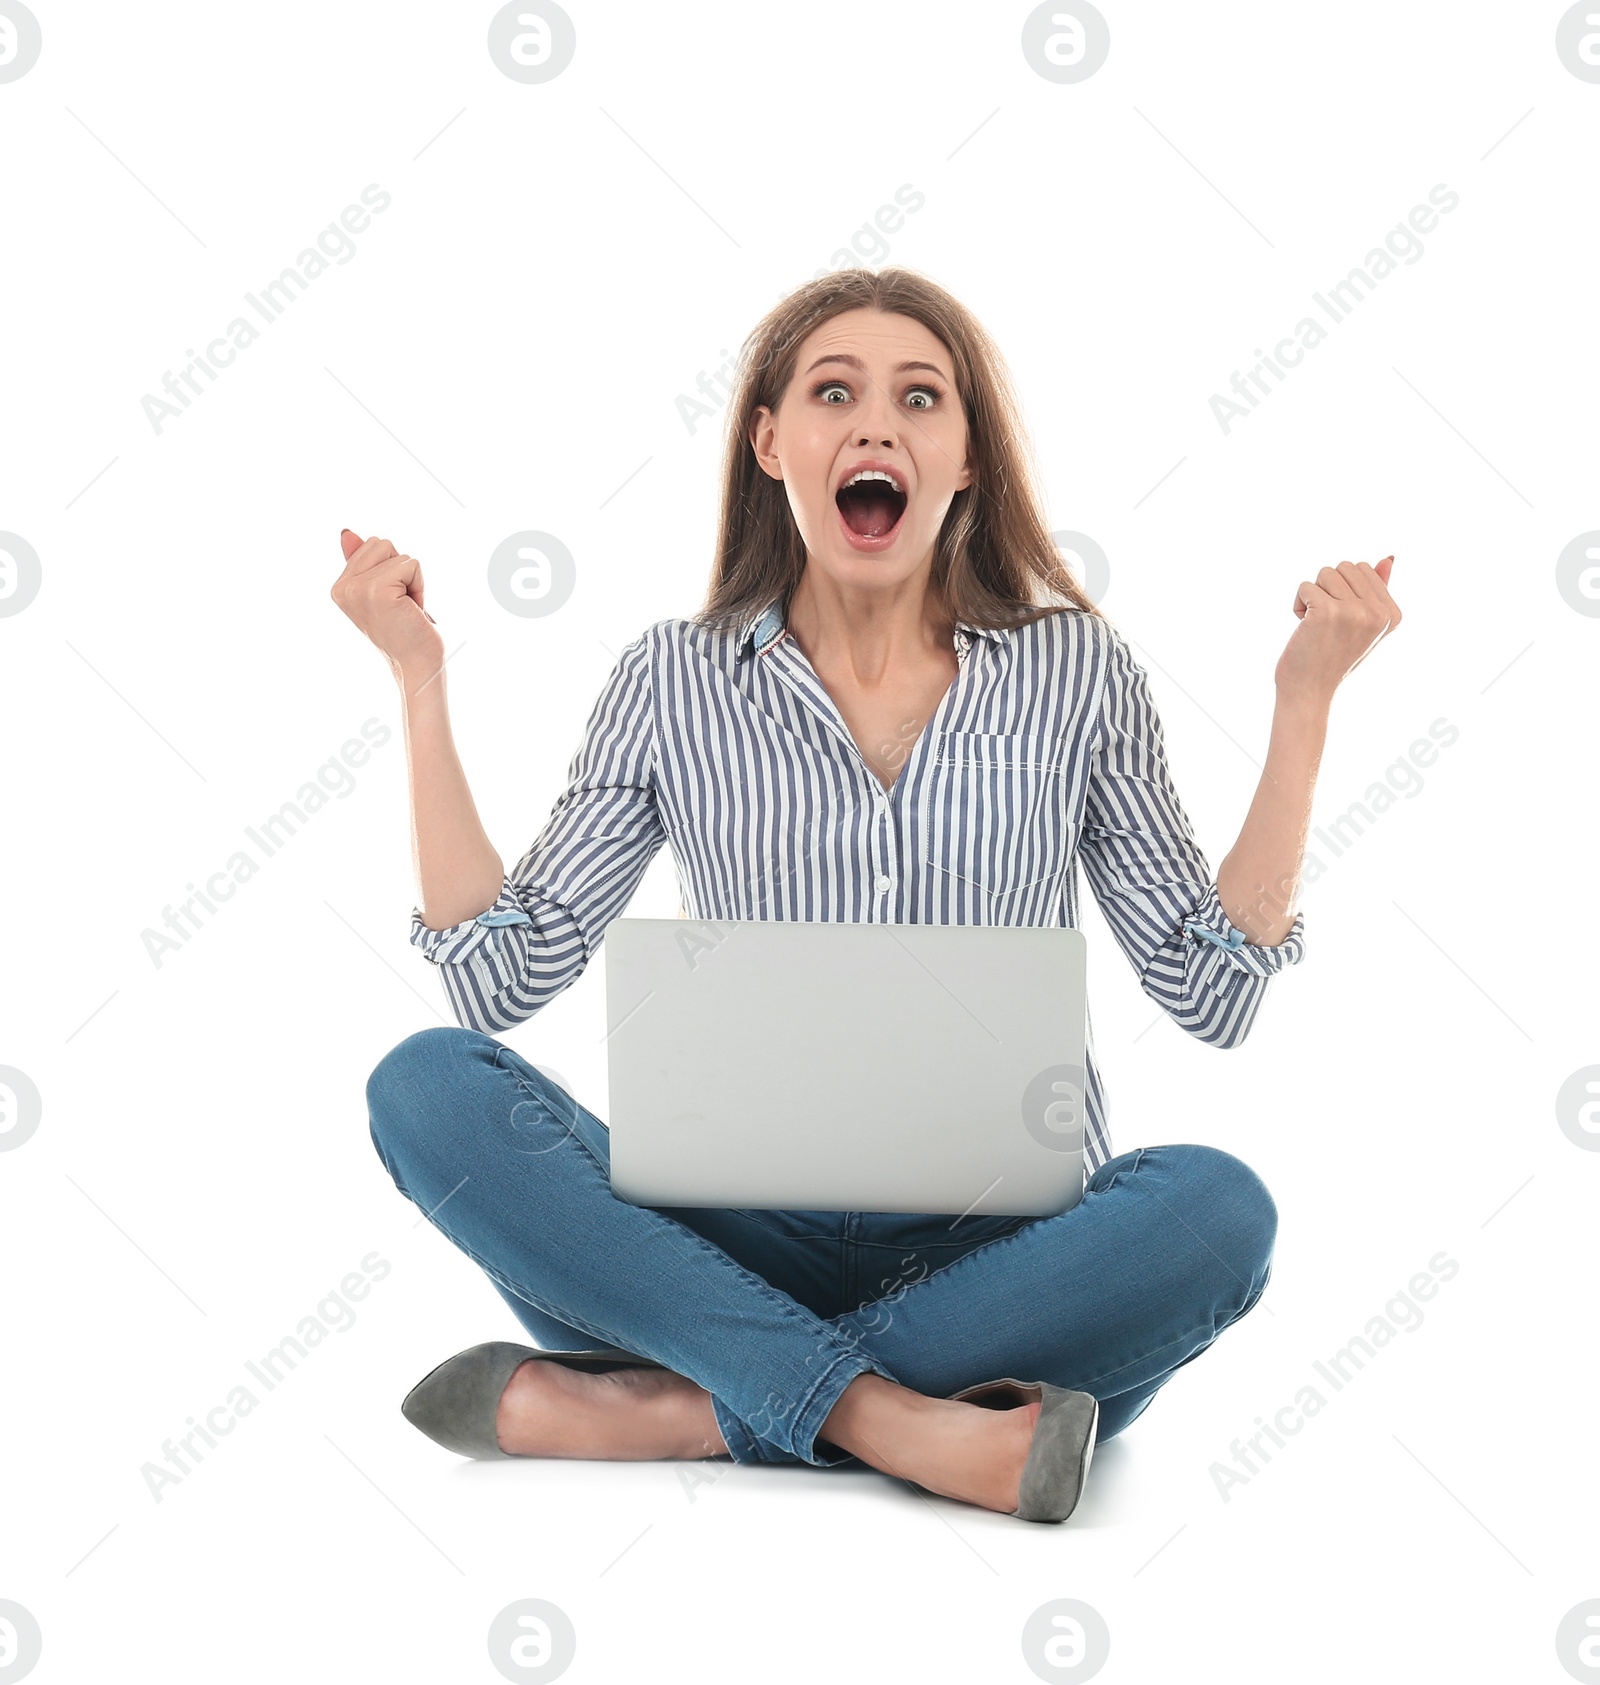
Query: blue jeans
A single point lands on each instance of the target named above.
(774, 1313)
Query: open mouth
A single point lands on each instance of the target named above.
(871, 505)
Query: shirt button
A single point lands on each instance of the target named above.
(883, 883)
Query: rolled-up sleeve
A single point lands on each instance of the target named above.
(580, 873)
(1151, 879)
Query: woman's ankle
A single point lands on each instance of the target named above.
(870, 1416)
(953, 1448)
(553, 1410)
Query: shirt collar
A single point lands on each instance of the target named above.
(764, 629)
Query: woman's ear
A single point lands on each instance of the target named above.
(762, 436)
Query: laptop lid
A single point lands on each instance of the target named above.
(834, 1066)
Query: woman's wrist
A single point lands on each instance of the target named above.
(1297, 701)
(420, 691)
(1300, 725)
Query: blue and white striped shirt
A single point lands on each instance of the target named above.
(1045, 751)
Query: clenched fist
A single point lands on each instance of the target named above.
(1344, 613)
(381, 591)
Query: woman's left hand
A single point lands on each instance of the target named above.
(1344, 613)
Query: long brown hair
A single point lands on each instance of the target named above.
(994, 564)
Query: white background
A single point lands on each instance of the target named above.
(558, 264)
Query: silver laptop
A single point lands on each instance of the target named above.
(784, 1064)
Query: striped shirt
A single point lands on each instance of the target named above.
(1045, 752)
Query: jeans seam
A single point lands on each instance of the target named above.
(810, 1402)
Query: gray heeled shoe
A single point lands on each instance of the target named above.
(1057, 1467)
(457, 1403)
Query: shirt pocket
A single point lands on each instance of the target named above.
(1001, 825)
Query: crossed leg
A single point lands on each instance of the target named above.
(1168, 1246)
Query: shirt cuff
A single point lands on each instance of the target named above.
(457, 943)
(1226, 947)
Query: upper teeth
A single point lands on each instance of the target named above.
(871, 474)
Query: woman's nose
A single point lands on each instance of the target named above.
(876, 421)
(878, 426)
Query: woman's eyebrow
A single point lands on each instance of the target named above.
(856, 363)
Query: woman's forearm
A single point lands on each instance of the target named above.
(1259, 881)
(458, 869)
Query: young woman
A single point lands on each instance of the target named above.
(893, 706)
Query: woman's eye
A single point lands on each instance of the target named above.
(930, 393)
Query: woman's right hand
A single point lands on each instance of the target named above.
(381, 591)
